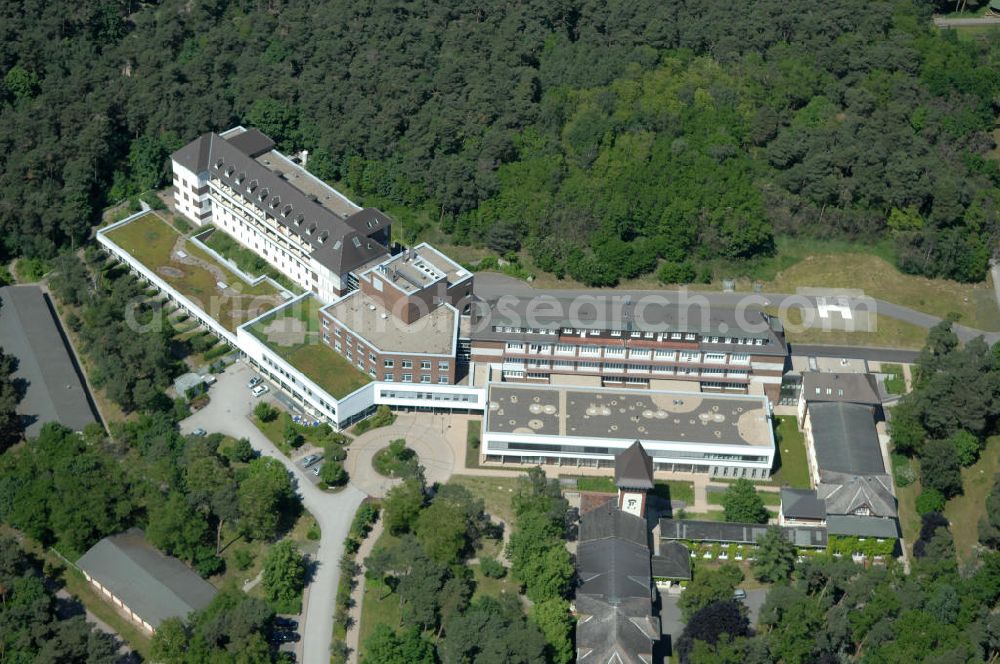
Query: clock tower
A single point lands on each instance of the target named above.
(634, 478)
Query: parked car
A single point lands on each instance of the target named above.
(259, 390)
(284, 637)
(199, 432)
(739, 594)
(210, 379)
(254, 382)
(308, 461)
(290, 624)
(316, 470)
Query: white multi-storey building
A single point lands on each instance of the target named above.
(270, 204)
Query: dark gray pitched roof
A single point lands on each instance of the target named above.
(845, 439)
(618, 634)
(615, 596)
(802, 504)
(54, 388)
(848, 387)
(634, 468)
(338, 243)
(844, 494)
(673, 561)
(154, 586)
(862, 526)
(608, 521)
(252, 142)
(737, 533)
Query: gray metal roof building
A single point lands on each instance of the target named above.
(845, 439)
(634, 468)
(860, 388)
(614, 603)
(54, 386)
(802, 504)
(862, 526)
(738, 533)
(151, 585)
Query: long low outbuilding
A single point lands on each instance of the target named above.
(722, 435)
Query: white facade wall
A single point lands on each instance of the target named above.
(191, 205)
(671, 452)
(245, 223)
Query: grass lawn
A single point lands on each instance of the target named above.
(674, 490)
(793, 467)
(974, 303)
(473, 443)
(307, 353)
(771, 498)
(496, 493)
(889, 332)
(152, 241)
(894, 383)
(605, 484)
(906, 498)
(379, 604)
(965, 511)
(495, 587)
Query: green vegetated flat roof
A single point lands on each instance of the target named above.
(293, 333)
(193, 272)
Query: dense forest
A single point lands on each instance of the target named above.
(607, 139)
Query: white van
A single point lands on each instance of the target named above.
(259, 390)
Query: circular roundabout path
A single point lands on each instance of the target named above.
(433, 452)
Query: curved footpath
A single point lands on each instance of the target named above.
(228, 413)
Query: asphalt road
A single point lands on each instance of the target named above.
(227, 413)
(491, 285)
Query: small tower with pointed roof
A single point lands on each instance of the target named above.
(634, 478)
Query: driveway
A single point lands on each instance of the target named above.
(228, 413)
(424, 435)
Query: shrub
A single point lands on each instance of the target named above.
(930, 500)
(492, 568)
(182, 225)
(676, 273)
(265, 412)
(243, 559)
(332, 473)
(242, 451)
(32, 269)
(314, 533)
(383, 417)
(218, 351)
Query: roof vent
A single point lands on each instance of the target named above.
(285, 211)
(321, 238)
(298, 219)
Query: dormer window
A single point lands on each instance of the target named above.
(240, 178)
(311, 229)
(275, 202)
(229, 171)
(263, 194)
(298, 219)
(287, 210)
(218, 164)
(251, 186)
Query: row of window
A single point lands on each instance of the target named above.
(642, 354)
(659, 336)
(407, 364)
(390, 377)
